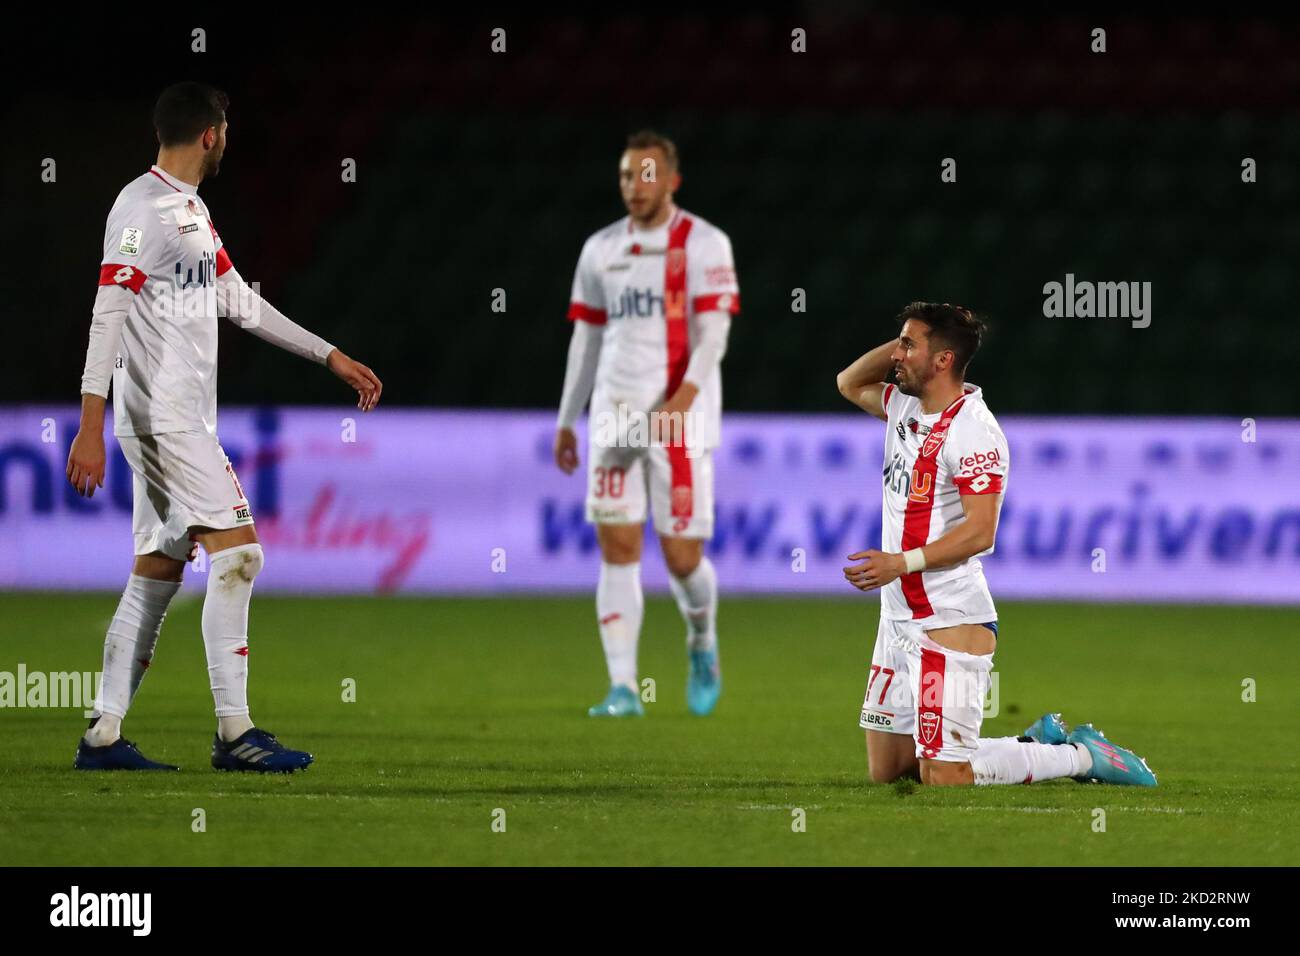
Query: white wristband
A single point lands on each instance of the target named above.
(915, 560)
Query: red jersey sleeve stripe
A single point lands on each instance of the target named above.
(981, 484)
(584, 313)
(129, 277)
(728, 302)
(889, 390)
(224, 264)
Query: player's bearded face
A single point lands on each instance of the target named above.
(645, 182)
(212, 160)
(913, 361)
(912, 376)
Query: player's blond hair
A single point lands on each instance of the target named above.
(649, 139)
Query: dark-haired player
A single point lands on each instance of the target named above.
(945, 473)
(163, 281)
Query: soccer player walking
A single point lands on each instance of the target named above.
(945, 473)
(652, 302)
(164, 280)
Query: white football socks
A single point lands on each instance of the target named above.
(697, 599)
(128, 651)
(619, 609)
(225, 633)
(1012, 760)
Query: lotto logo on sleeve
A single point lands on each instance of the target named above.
(979, 473)
(115, 273)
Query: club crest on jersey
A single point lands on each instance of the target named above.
(933, 442)
(676, 261)
(929, 725)
(192, 208)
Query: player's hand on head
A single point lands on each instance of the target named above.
(359, 377)
(566, 450)
(86, 460)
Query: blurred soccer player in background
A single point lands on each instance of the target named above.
(945, 473)
(164, 280)
(652, 302)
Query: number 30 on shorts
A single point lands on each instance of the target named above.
(609, 482)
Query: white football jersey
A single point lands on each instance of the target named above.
(160, 243)
(649, 290)
(931, 461)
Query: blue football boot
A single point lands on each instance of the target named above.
(1048, 729)
(121, 754)
(703, 682)
(257, 750)
(1111, 763)
(621, 701)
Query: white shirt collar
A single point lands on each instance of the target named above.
(666, 226)
(179, 185)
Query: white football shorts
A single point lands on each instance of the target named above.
(182, 480)
(678, 487)
(921, 688)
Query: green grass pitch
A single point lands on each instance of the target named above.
(466, 706)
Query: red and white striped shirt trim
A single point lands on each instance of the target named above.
(920, 507)
(127, 276)
(585, 313)
(728, 302)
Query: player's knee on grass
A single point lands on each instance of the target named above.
(682, 555)
(884, 771)
(942, 773)
(890, 757)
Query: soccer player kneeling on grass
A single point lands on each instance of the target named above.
(945, 473)
(164, 280)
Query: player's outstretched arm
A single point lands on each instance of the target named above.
(358, 376)
(863, 382)
(244, 306)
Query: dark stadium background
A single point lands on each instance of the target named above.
(479, 171)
